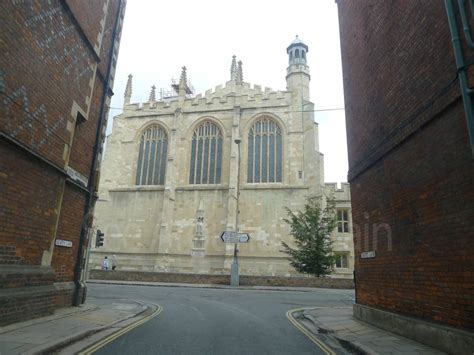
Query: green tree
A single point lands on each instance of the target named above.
(311, 230)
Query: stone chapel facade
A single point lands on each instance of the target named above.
(177, 170)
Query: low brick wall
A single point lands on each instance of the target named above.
(26, 292)
(64, 294)
(324, 282)
(221, 279)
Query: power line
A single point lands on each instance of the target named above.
(324, 109)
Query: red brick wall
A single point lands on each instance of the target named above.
(28, 198)
(82, 147)
(88, 14)
(84, 136)
(392, 61)
(410, 161)
(47, 64)
(15, 307)
(69, 228)
(107, 37)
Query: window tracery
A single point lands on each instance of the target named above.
(264, 163)
(206, 155)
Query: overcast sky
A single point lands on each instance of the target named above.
(159, 37)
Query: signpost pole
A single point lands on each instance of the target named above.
(234, 269)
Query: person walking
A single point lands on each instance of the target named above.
(105, 264)
(114, 262)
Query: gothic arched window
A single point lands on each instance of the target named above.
(264, 162)
(152, 154)
(297, 53)
(206, 155)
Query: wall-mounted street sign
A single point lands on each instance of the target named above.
(235, 237)
(76, 176)
(368, 254)
(63, 243)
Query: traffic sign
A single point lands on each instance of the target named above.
(234, 237)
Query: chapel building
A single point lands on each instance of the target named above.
(176, 171)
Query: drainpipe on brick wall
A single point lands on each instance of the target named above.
(466, 91)
(79, 295)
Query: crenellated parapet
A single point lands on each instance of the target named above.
(231, 87)
(340, 194)
(222, 97)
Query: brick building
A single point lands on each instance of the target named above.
(57, 63)
(411, 170)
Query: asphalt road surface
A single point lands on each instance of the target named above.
(216, 321)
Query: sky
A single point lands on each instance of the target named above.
(159, 37)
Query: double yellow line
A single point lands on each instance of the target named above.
(96, 346)
(306, 332)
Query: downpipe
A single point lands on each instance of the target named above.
(466, 92)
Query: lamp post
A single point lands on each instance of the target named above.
(234, 269)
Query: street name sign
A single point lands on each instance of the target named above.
(367, 254)
(63, 243)
(234, 237)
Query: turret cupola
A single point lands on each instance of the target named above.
(297, 74)
(297, 51)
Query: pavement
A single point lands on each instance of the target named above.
(72, 329)
(336, 324)
(86, 325)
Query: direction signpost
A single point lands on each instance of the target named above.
(234, 267)
(234, 237)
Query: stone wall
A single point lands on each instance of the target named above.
(343, 242)
(132, 222)
(245, 280)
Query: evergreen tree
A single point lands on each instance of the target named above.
(311, 230)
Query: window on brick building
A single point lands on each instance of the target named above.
(206, 155)
(342, 261)
(264, 162)
(152, 156)
(343, 221)
(80, 119)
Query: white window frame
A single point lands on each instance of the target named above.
(343, 259)
(343, 220)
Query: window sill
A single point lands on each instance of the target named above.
(202, 187)
(138, 188)
(271, 186)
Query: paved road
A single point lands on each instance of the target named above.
(216, 321)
